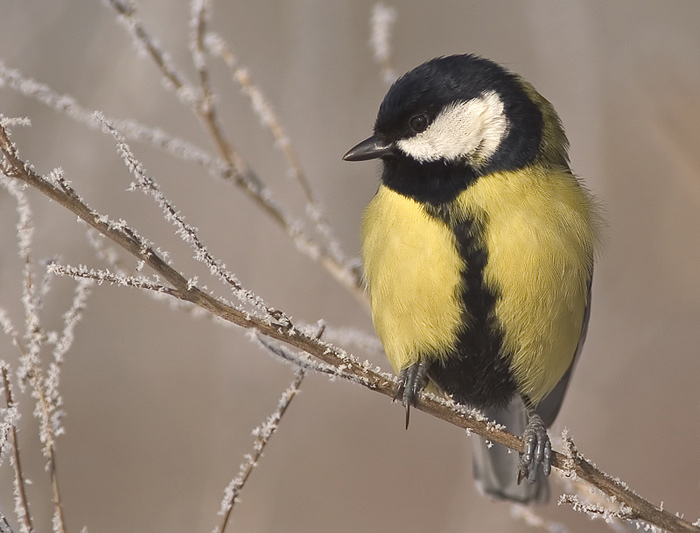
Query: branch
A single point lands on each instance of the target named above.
(45, 392)
(262, 434)
(21, 502)
(240, 171)
(572, 463)
(5, 526)
(381, 23)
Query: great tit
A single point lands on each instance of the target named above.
(478, 254)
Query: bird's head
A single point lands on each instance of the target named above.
(455, 118)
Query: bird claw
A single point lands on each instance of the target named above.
(412, 381)
(538, 451)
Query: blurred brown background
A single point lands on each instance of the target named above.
(160, 405)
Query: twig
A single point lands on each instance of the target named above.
(150, 45)
(529, 517)
(100, 276)
(241, 172)
(262, 434)
(578, 491)
(71, 319)
(298, 360)
(30, 367)
(22, 504)
(186, 232)
(216, 46)
(5, 526)
(381, 24)
(198, 22)
(348, 275)
(363, 374)
(155, 137)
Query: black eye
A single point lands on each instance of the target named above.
(419, 123)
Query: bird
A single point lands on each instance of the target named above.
(477, 253)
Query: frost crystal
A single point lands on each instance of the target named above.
(186, 232)
(262, 434)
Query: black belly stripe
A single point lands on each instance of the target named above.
(476, 373)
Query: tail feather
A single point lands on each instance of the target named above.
(495, 468)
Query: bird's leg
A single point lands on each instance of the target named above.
(412, 381)
(538, 448)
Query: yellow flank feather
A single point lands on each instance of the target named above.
(540, 236)
(412, 270)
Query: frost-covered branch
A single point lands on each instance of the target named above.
(44, 389)
(596, 510)
(381, 24)
(5, 526)
(10, 419)
(630, 506)
(262, 436)
(329, 255)
(186, 232)
(100, 276)
(217, 46)
(131, 129)
(149, 45)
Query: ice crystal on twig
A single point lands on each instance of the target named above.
(100, 276)
(186, 232)
(216, 46)
(345, 336)
(71, 319)
(10, 424)
(595, 510)
(131, 129)
(147, 44)
(262, 436)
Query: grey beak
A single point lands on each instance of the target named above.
(371, 148)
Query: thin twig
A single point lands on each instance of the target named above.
(346, 274)
(5, 526)
(263, 434)
(198, 23)
(22, 506)
(572, 463)
(185, 231)
(241, 172)
(30, 367)
(100, 276)
(71, 319)
(298, 360)
(127, 15)
(155, 137)
(217, 46)
(381, 24)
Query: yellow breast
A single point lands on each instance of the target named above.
(539, 233)
(412, 270)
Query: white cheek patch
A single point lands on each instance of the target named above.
(470, 130)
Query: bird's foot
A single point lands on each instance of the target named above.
(412, 381)
(538, 450)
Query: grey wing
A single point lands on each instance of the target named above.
(549, 407)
